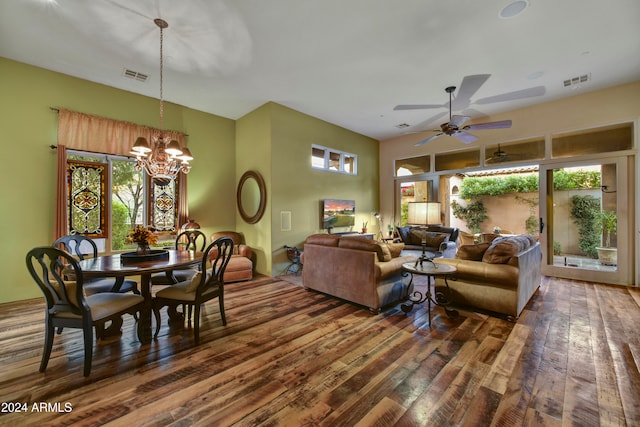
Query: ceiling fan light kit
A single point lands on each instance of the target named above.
(454, 127)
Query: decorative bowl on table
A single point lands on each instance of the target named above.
(151, 255)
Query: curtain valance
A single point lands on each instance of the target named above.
(80, 131)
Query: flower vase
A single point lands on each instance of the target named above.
(143, 248)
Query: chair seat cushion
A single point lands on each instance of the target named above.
(239, 263)
(181, 292)
(238, 269)
(106, 304)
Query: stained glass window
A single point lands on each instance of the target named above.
(86, 204)
(164, 207)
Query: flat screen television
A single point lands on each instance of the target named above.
(338, 213)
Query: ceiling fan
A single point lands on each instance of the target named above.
(502, 156)
(498, 156)
(454, 127)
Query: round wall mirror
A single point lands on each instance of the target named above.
(251, 197)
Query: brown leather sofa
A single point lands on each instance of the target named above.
(356, 269)
(498, 276)
(240, 265)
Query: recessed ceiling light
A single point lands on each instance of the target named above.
(514, 9)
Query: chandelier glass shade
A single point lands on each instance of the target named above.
(164, 158)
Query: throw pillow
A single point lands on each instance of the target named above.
(386, 253)
(500, 252)
(415, 236)
(472, 252)
(404, 233)
(70, 286)
(195, 281)
(395, 249)
(435, 239)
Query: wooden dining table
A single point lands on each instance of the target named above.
(113, 266)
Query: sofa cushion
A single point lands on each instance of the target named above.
(361, 244)
(432, 239)
(451, 231)
(472, 252)
(323, 239)
(395, 249)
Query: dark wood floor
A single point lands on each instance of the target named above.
(292, 357)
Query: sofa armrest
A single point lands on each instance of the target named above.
(448, 249)
(245, 251)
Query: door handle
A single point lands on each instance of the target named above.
(541, 225)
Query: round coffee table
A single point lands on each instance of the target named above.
(429, 269)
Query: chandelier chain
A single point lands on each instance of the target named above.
(164, 158)
(161, 79)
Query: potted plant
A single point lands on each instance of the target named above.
(364, 227)
(607, 223)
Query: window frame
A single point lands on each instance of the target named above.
(327, 163)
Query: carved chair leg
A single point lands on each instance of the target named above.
(88, 349)
(156, 313)
(48, 345)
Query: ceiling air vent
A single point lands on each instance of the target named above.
(135, 75)
(573, 81)
(402, 125)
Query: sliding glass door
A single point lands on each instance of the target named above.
(585, 221)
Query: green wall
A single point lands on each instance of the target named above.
(273, 140)
(28, 176)
(276, 141)
(253, 152)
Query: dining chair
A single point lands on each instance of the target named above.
(193, 240)
(205, 285)
(67, 304)
(83, 247)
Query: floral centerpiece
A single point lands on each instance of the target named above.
(144, 237)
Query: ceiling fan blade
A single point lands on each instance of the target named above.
(465, 137)
(457, 121)
(417, 107)
(503, 124)
(468, 88)
(431, 138)
(512, 96)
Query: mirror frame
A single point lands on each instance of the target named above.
(263, 197)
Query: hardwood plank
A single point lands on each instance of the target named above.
(294, 357)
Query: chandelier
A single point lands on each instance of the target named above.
(163, 159)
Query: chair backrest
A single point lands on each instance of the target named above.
(191, 240)
(223, 249)
(49, 266)
(78, 245)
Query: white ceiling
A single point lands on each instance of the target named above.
(349, 62)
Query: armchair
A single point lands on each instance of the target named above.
(240, 265)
